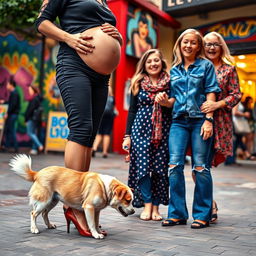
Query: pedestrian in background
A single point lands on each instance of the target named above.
(241, 129)
(249, 138)
(193, 81)
(106, 126)
(216, 50)
(146, 137)
(11, 117)
(33, 119)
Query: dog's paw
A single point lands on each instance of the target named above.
(34, 230)
(98, 236)
(52, 226)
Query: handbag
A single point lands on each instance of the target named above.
(241, 125)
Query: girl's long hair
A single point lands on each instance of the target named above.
(176, 49)
(225, 53)
(141, 71)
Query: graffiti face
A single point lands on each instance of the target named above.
(143, 30)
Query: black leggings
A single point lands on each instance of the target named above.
(84, 93)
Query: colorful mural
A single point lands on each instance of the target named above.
(141, 32)
(21, 59)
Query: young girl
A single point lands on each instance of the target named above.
(146, 135)
(193, 81)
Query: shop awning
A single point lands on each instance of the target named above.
(179, 8)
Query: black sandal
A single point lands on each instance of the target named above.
(214, 215)
(199, 225)
(171, 222)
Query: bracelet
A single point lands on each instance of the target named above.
(210, 119)
(126, 136)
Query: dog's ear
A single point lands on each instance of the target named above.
(120, 192)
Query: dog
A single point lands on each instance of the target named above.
(86, 191)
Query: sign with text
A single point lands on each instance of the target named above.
(181, 4)
(3, 111)
(57, 131)
(238, 30)
(179, 8)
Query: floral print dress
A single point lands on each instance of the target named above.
(223, 128)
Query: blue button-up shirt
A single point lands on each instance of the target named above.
(190, 87)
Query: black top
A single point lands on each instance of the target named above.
(34, 104)
(77, 16)
(132, 113)
(14, 103)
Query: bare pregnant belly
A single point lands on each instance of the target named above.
(106, 54)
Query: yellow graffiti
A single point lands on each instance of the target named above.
(50, 83)
(238, 29)
(5, 43)
(12, 64)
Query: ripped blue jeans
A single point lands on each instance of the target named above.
(184, 132)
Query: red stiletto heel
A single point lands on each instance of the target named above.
(68, 225)
(70, 216)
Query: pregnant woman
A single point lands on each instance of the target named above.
(89, 51)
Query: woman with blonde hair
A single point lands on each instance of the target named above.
(217, 52)
(193, 81)
(147, 135)
(177, 53)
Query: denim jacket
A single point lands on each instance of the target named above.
(189, 88)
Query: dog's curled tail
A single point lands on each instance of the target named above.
(21, 164)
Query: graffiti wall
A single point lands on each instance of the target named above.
(20, 58)
(141, 32)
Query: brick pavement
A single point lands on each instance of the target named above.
(235, 233)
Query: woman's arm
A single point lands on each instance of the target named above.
(50, 10)
(130, 119)
(210, 105)
(207, 127)
(233, 97)
(78, 41)
(163, 100)
(233, 88)
(236, 112)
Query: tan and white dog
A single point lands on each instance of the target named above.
(88, 191)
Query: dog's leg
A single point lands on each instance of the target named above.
(49, 207)
(91, 221)
(33, 227)
(38, 207)
(97, 217)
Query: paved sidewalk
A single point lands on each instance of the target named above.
(235, 233)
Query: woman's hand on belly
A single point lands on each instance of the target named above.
(112, 31)
(106, 54)
(80, 43)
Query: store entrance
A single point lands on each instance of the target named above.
(246, 68)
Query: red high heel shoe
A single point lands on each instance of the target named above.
(70, 216)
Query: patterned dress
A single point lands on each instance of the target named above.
(146, 158)
(223, 128)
